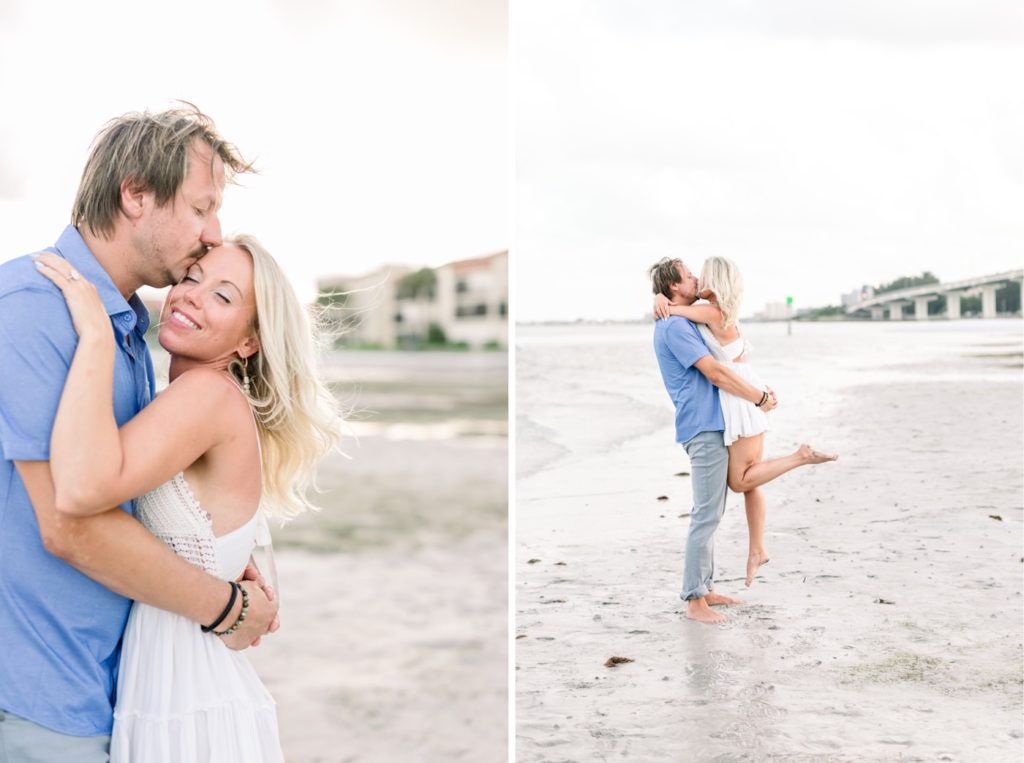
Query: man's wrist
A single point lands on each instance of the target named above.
(226, 613)
(234, 624)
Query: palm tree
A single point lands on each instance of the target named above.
(415, 294)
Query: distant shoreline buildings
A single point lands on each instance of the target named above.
(463, 303)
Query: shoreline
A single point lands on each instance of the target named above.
(939, 319)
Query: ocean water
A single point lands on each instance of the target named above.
(593, 372)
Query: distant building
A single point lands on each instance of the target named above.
(472, 300)
(857, 296)
(462, 301)
(774, 311)
(361, 309)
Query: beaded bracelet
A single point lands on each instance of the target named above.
(227, 609)
(763, 400)
(241, 615)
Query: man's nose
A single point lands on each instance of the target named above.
(211, 235)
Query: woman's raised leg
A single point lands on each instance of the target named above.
(747, 471)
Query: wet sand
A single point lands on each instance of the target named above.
(887, 625)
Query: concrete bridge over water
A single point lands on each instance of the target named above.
(893, 302)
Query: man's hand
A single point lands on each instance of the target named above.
(258, 620)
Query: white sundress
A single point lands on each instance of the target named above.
(742, 417)
(182, 695)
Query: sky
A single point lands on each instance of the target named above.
(821, 146)
(380, 127)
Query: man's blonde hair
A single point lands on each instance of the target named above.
(722, 277)
(150, 150)
(299, 419)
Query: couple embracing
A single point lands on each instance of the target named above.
(721, 416)
(128, 519)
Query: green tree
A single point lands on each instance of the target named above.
(908, 282)
(1008, 298)
(420, 284)
(416, 290)
(436, 335)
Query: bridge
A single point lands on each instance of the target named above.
(893, 302)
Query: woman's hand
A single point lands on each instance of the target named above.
(87, 311)
(661, 305)
(252, 572)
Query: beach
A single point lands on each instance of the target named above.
(394, 605)
(887, 625)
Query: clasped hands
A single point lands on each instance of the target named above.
(262, 617)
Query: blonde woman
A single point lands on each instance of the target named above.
(236, 435)
(721, 285)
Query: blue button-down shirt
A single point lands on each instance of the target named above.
(678, 345)
(60, 631)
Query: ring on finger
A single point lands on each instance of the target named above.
(73, 275)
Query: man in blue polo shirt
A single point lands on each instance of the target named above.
(145, 211)
(692, 378)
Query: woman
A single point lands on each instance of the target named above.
(240, 427)
(745, 424)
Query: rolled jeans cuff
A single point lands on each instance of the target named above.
(700, 593)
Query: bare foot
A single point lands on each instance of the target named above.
(698, 609)
(810, 456)
(754, 561)
(716, 598)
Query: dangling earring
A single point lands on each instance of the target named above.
(245, 376)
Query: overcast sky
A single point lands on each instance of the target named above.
(380, 126)
(821, 146)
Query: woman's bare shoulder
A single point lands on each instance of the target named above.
(205, 392)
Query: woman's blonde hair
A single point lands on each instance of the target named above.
(722, 277)
(299, 419)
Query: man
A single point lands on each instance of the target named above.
(692, 377)
(146, 210)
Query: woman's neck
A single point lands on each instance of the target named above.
(180, 365)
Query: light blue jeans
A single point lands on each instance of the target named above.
(22, 741)
(709, 462)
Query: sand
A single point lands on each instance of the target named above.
(394, 610)
(887, 625)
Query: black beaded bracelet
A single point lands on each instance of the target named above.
(227, 610)
(241, 615)
(763, 400)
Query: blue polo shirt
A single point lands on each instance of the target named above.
(678, 345)
(60, 631)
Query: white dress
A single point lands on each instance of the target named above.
(742, 417)
(182, 695)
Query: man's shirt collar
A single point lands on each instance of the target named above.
(126, 314)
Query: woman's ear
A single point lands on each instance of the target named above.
(249, 347)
